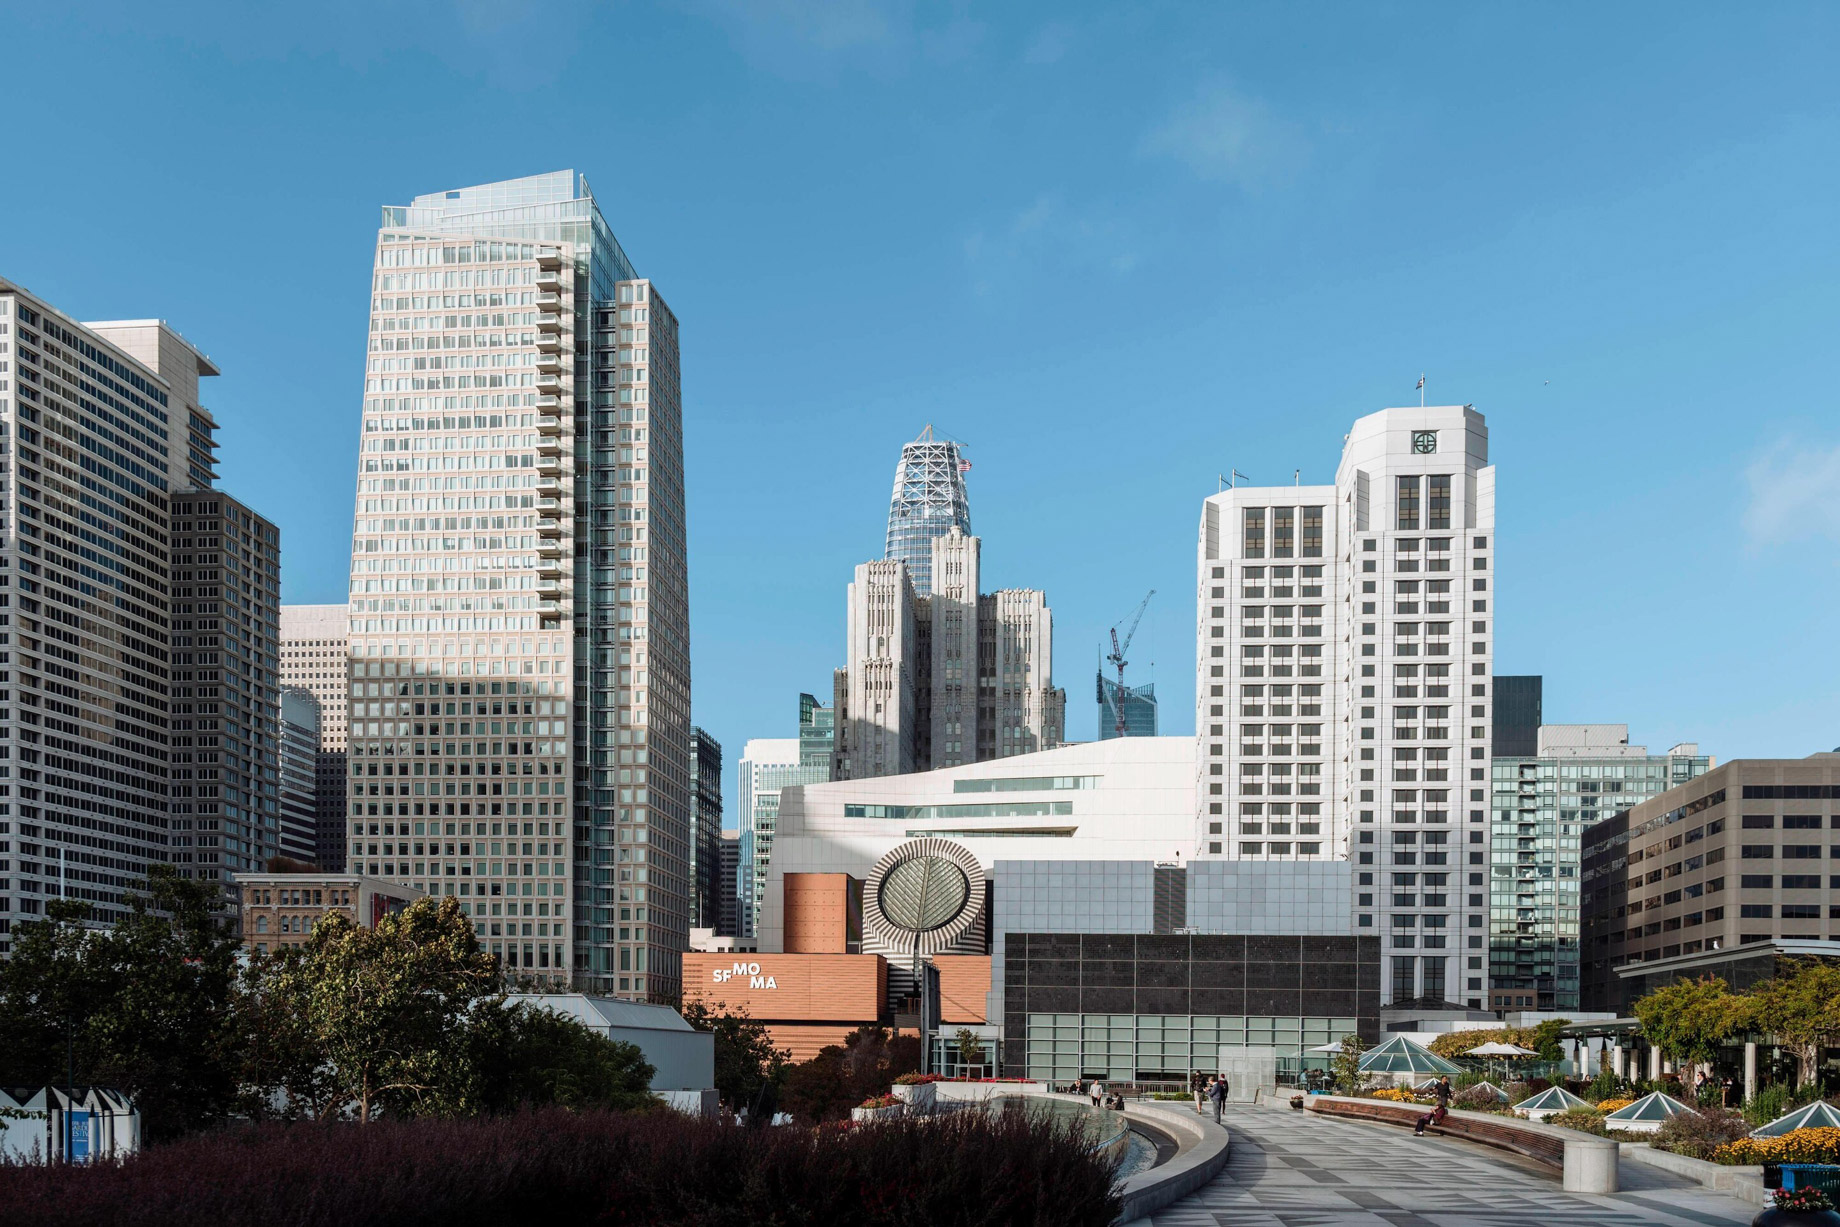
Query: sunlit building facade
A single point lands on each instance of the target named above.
(519, 639)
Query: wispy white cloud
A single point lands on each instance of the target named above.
(829, 25)
(1048, 44)
(1226, 136)
(803, 38)
(1047, 231)
(1794, 495)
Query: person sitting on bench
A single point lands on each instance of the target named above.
(1434, 1117)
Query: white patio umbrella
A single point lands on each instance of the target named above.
(1493, 1049)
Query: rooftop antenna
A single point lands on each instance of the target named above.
(1421, 390)
(1226, 479)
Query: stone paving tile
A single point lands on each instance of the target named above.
(1293, 1169)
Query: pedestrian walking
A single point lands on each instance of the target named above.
(1098, 1093)
(1442, 1091)
(1218, 1094)
(1197, 1086)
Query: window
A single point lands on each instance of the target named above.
(1437, 502)
(1283, 531)
(1754, 911)
(1801, 852)
(1408, 503)
(1758, 852)
(1756, 881)
(1759, 822)
(1801, 822)
(1801, 911)
(1255, 532)
(1312, 532)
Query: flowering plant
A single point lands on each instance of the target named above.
(1803, 1200)
(1613, 1105)
(1798, 1146)
(918, 1079)
(879, 1101)
(1395, 1094)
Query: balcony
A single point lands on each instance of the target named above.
(549, 486)
(552, 302)
(549, 590)
(548, 466)
(549, 607)
(550, 424)
(549, 383)
(548, 402)
(549, 506)
(547, 548)
(550, 445)
(549, 257)
(548, 526)
(549, 341)
(551, 279)
(551, 565)
(549, 362)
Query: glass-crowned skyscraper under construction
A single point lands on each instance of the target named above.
(519, 724)
(1138, 702)
(929, 498)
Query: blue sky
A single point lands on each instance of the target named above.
(1116, 249)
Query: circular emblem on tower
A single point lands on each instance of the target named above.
(923, 894)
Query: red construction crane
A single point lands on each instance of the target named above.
(1117, 660)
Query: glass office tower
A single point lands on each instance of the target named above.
(929, 498)
(519, 726)
(1579, 775)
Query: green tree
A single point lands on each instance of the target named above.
(1346, 1064)
(531, 1056)
(147, 1005)
(379, 1018)
(970, 1048)
(1800, 1006)
(749, 1070)
(1689, 1019)
(1544, 1039)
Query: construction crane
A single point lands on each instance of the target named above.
(1117, 660)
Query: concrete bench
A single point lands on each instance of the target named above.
(1587, 1164)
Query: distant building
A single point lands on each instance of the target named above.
(280, 909)
(943, 678)
(1518, 716)
(1580, 774)
(1138, 702)
(315, 658)
(929, 499)
(226, 661)
(728, 903)
(1715, 876)
(768, 764)
(299, 764)
(706, 830)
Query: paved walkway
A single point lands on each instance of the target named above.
(1296, 1169)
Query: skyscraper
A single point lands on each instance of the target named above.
(132, 759)
(1343, 685)
(314, 658)
(938, 681)
(706, 795)
(519, 592)
(929, 498)
(1138, 702)
(299, 761)
(226, 658)
(1543, 802)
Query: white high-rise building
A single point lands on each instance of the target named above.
(520, 661)
(768, 764)
(1342, 697)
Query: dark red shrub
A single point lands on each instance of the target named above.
(658, 1169)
